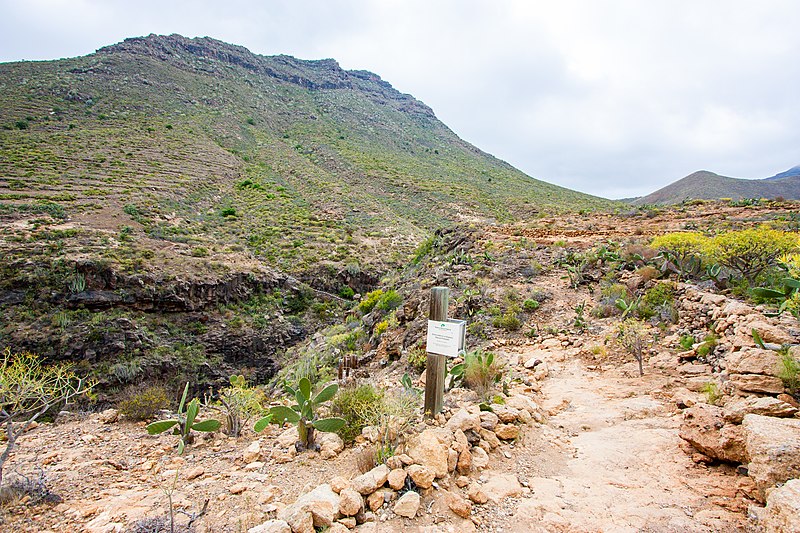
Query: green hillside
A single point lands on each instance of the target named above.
(178, 209)
(214, 149)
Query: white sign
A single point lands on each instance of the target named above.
(446, 337)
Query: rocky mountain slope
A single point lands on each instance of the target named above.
(174, 207)
(572, 438)
(196, 143)
(707, 185)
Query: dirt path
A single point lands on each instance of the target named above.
(609, 459)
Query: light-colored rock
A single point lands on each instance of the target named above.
(371, 481)
(452, 460)
(506, 431)
(337, 527)
(287, 438)
(756, 383)
(464, 420)
(734, 308)
(490, 437)
(766, 406)
(109, 416)
(371, 434)
(322, 503)
(460, 442)
(458, 504)
(464, 464)
(462, 481)
(375, 500)
(394, 462)
(773, 447)
(704, 428)
(771, 333)
(782, 514)
(750, 360)
(271, 526)
(330, 444)
(299, 520)
(252, 453)
(522, 401)
(422, 476)
(506, 414)
(350, 502)
(535, 358)
(489, 420)
(339, 483)
(480, 459)
(476, 494)
(430, 448)
(502, 486)
(407, 505)
(349, 522)
(195, 473)
(238, 488)
(397, 478)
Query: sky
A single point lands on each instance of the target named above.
(616, 98)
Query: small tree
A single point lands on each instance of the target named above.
(633, 337)
(239, 403)
(752, 251)
(28, 390)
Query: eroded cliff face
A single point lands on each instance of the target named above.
(127, 328)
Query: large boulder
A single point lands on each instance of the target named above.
(757, 383)
(782, 514)
(753, 361)
(766, 405)
(322, 503)
(430, 448)
(407, 505)
(704, 427)
(371, 481)
(773, 447)
(502, 486)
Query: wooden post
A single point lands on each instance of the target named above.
(435, 369)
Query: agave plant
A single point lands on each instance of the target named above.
(185, 422)
(303, 413)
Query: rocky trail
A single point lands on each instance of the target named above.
(577, 442)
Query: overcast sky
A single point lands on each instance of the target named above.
(614, 98)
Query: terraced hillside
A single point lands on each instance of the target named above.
(206, 148)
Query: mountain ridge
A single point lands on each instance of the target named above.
(301, 153)
(706, 185)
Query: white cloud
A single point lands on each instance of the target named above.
(615, 97)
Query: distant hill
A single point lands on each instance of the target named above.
(707, 185)
(203, 147)
(794, 171)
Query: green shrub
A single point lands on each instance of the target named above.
(378, 299)
(389, 301)
(418, 358)
(711, 390)
(508, 321)
(347, 293)
(687, 341)
(227, 212)
(143, 403)
(359, 407)
(479, 372)
(789, 372)
(751, 252)
(530, 304)
(369, 301)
